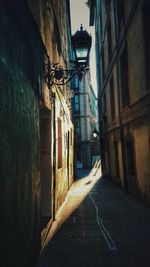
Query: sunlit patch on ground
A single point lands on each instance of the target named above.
(74, 198)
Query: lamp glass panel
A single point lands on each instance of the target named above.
(82, 52)
(95, 135)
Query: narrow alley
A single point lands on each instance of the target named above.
(75, 133)
(106, 227)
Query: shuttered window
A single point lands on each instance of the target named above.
(59, 144)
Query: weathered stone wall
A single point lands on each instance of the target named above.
(19, 136)
(64, 173)
(29, 30)
(131, 120)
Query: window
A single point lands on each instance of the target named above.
(104, 115)
(78, 153)
(107, 152)
(101, 21)
(120, 12)
(103, 64)
(59, 143)
(112, 98)
(71, 137)
(107, 4)
(146, 37)
(76, 83)
(105, 105)
(109, 40)
(124, 77)
(77, 129)
(116, 161)
(130, 157)
(54, 48)
(76, 103)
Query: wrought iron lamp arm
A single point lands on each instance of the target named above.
(56, 75)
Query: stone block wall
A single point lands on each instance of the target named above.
(19, 138)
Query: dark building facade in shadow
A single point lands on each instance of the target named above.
(123, 60)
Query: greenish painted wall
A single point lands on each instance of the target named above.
(19, 142)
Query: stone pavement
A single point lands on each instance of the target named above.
(98, 226)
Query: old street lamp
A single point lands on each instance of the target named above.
(55, 74)
(95, 133)
(81, 45)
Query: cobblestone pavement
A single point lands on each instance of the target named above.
(104, 227)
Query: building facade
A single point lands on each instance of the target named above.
(94, 122)
(36, 131)
(123, 59)
(85, 120)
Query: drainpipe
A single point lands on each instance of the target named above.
(101, 139)
(54, 154)
(121, 130)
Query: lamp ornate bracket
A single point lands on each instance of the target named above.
(56, 75)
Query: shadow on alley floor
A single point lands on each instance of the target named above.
(98, 226)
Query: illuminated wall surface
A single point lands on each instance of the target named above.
(26, 109)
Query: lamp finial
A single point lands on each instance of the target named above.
(81, 28)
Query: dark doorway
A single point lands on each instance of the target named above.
(45, 166)
(116, 162)
(68, 152)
